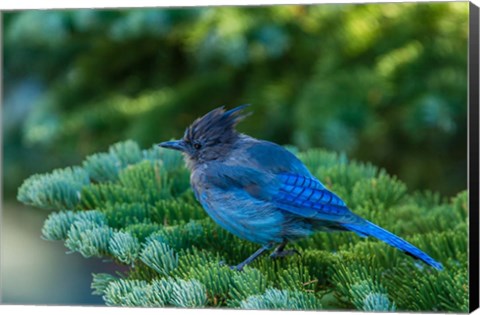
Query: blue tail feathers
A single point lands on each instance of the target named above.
(367, 228)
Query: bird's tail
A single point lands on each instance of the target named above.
(367, 228)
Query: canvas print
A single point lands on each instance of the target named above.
(292, 157)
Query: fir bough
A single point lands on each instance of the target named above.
(135, 207)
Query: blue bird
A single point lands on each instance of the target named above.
(261, 192)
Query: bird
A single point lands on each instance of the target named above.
(261, 192)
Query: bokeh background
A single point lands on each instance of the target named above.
(384, 83)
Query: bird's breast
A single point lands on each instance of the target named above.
(237, 212)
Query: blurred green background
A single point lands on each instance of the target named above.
(384, 83)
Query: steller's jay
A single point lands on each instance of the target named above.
(261, 192)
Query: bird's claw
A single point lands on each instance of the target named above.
(234, 268)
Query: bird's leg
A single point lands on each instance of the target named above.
(280, 251)
(260, 251)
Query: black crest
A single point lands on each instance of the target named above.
(217, 126)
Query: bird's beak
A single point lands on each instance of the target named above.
(174, 145)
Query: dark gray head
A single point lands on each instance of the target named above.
(209, 137)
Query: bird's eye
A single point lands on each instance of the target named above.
(197, 146)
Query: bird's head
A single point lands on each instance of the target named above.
(210, 137)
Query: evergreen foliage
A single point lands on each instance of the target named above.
(282, 299)
(134, 206)
(63, 191)
(124, 246)
(159, 256)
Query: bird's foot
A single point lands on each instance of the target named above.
(238, 267)
(284, 253)
(252, 257)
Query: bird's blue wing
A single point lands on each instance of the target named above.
(307, 197)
